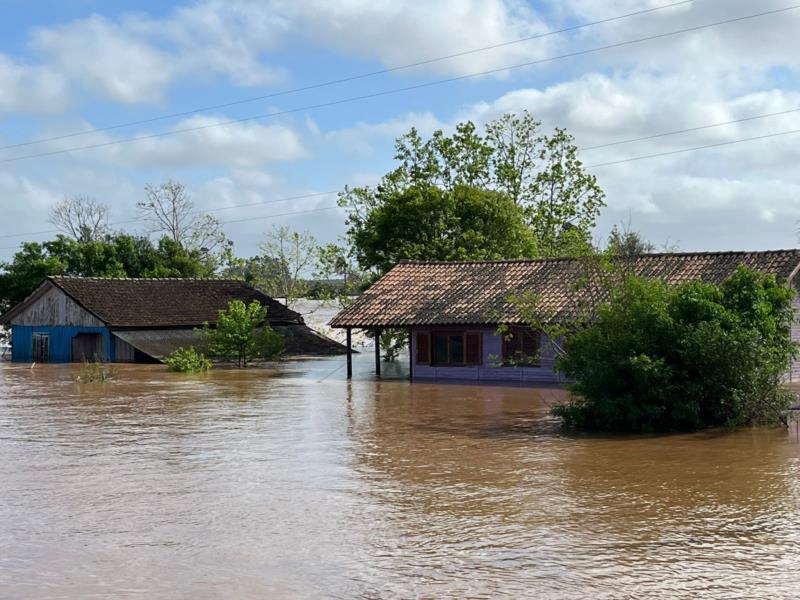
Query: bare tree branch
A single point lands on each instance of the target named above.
(295, 255)
(82, 218)
(169, 209)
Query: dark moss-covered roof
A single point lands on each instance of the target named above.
(456, 293)
(165, 302)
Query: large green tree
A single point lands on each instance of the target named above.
(432, 223)
(539, 172)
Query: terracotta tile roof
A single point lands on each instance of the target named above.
(165, 302)
(460, 293)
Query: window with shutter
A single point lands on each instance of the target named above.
(423, 348)
(521, 346)
(472, 344)
(530, 342)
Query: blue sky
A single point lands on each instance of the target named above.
(68, 67)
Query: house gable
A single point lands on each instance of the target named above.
(50, 306)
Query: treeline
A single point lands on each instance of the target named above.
(178, 241)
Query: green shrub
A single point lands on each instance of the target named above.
(662, 358)
(188, 360)
(242, 333)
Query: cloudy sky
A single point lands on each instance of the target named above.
(70, 68)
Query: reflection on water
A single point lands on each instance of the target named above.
(299, 484)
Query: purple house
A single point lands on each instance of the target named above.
(452, 310)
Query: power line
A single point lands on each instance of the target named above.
(690, 129)
(584, 148)
(684, 150)
(402, 89)
(195, 212)
(592, 166)
(347, 79)
(296, 212)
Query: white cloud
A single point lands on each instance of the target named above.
(236, 145)
(31, 89)
(359, 139)
(398, 33)
(135, 58)
(106, 58)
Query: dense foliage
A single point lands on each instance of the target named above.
(661, 358)
(242, 333)
(434, 224)
(540, 174)
(188, 360)
(117, 255)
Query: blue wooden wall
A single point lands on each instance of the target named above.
(60, 342)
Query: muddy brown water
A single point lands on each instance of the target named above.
(294, 483)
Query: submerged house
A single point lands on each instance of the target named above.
(452, 310)
(71, 319)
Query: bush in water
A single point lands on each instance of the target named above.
(667, 358)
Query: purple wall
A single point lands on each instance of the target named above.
(492, 347)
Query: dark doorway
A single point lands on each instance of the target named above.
(41, 347)
(87, 346)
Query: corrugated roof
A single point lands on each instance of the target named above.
(165, 302)
(470, 293)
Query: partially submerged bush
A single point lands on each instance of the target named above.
(188, 360)
(94, 371)
(242, 333)
(661, 358)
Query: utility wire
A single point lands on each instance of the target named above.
(584, 148)
(592, 166)
(195, 212)
(405, 88)
(684, 150)
(332, 82)
(296, 212)
(690, 129)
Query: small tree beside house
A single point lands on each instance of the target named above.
(242, 334)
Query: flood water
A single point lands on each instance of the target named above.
(298, 484)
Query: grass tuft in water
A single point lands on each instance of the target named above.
(95, 371)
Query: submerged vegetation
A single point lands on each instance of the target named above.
(243, 333)
(94, 371)
(677, 358)
(188, 360)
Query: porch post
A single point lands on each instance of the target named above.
(349, 354)
(410, 354)
(377, 352)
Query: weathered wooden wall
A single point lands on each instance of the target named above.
(55, 308)
(123, 351)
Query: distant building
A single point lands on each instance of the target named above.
(71, 319)
(452, 310)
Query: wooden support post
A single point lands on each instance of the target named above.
(411, 354)
(349, 353)
(377, 353)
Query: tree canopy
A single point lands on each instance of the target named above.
(539, 173)
(431, 223)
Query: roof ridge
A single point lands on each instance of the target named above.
(569, 258)
(93, 278)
